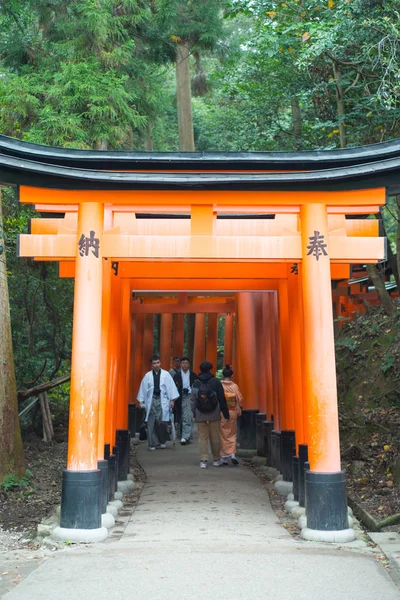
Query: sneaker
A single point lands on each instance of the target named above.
(217, 463)
(234, 460)
(151, 447)
(224, 462)
(183, 441)
(163, 445)
(203, 464)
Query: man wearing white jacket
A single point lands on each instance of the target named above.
(157, 394)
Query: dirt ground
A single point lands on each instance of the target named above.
(22, 509)
(369, 473)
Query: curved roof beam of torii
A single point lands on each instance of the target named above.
(385, 173)
(119, 161)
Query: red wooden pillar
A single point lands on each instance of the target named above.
(228, 340)
(260, 345)
(267, 354)
(302, 352)
(212, 340)
(81, 486)
(124, 345)
(165, 341)
(295, 319)
(247, 350)
(105, 328)
(320, 367)
(273, 306)
(112, 383)
(326, 511)
(199, 341)
(285, 357)
(86, 345)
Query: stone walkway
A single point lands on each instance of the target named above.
(205, 534)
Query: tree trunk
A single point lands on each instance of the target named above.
(296, 117)
(148, 137)
(383, 294)
(199, 85)
(48, 431)
(184, 99)
(11, 451)
(100, 145)
(340, 105)
(42, 387)
(392, 520)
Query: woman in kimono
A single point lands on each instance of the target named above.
(157, 394)
(234, 401)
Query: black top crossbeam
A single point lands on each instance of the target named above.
(372, 166)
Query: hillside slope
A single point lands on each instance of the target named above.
(368, 370)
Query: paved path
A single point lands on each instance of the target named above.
(205, 534)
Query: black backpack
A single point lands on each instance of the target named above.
(206, 399)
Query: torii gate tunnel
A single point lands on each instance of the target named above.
(255, 238)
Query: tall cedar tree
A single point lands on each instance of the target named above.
(11, 450)
(191, 26)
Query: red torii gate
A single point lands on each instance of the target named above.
(99, 230)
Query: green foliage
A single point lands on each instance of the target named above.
(73, 72)
(306, 55)
(91, 73)
(349, 343)
(387, 363)
(11, 482)
(40, 304)
(390, 220)
(198, 24)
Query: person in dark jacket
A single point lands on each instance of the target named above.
(184, 380)
(208, 423)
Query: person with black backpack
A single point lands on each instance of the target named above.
(208, 402)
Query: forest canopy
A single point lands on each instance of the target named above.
(264, 74)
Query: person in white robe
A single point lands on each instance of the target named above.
(157, 393)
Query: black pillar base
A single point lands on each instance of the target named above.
(132, 412)
(106, 451)
(276, 450)
(303, 458)
(248, 431)
(326, 501)
(123, 443)
(295, 473)
(115, 450)
(80, 500)
(267, 429)
(288, 448)
(260, 418)
(103, 467)
(112, 476)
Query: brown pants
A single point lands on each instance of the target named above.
(209, 430)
